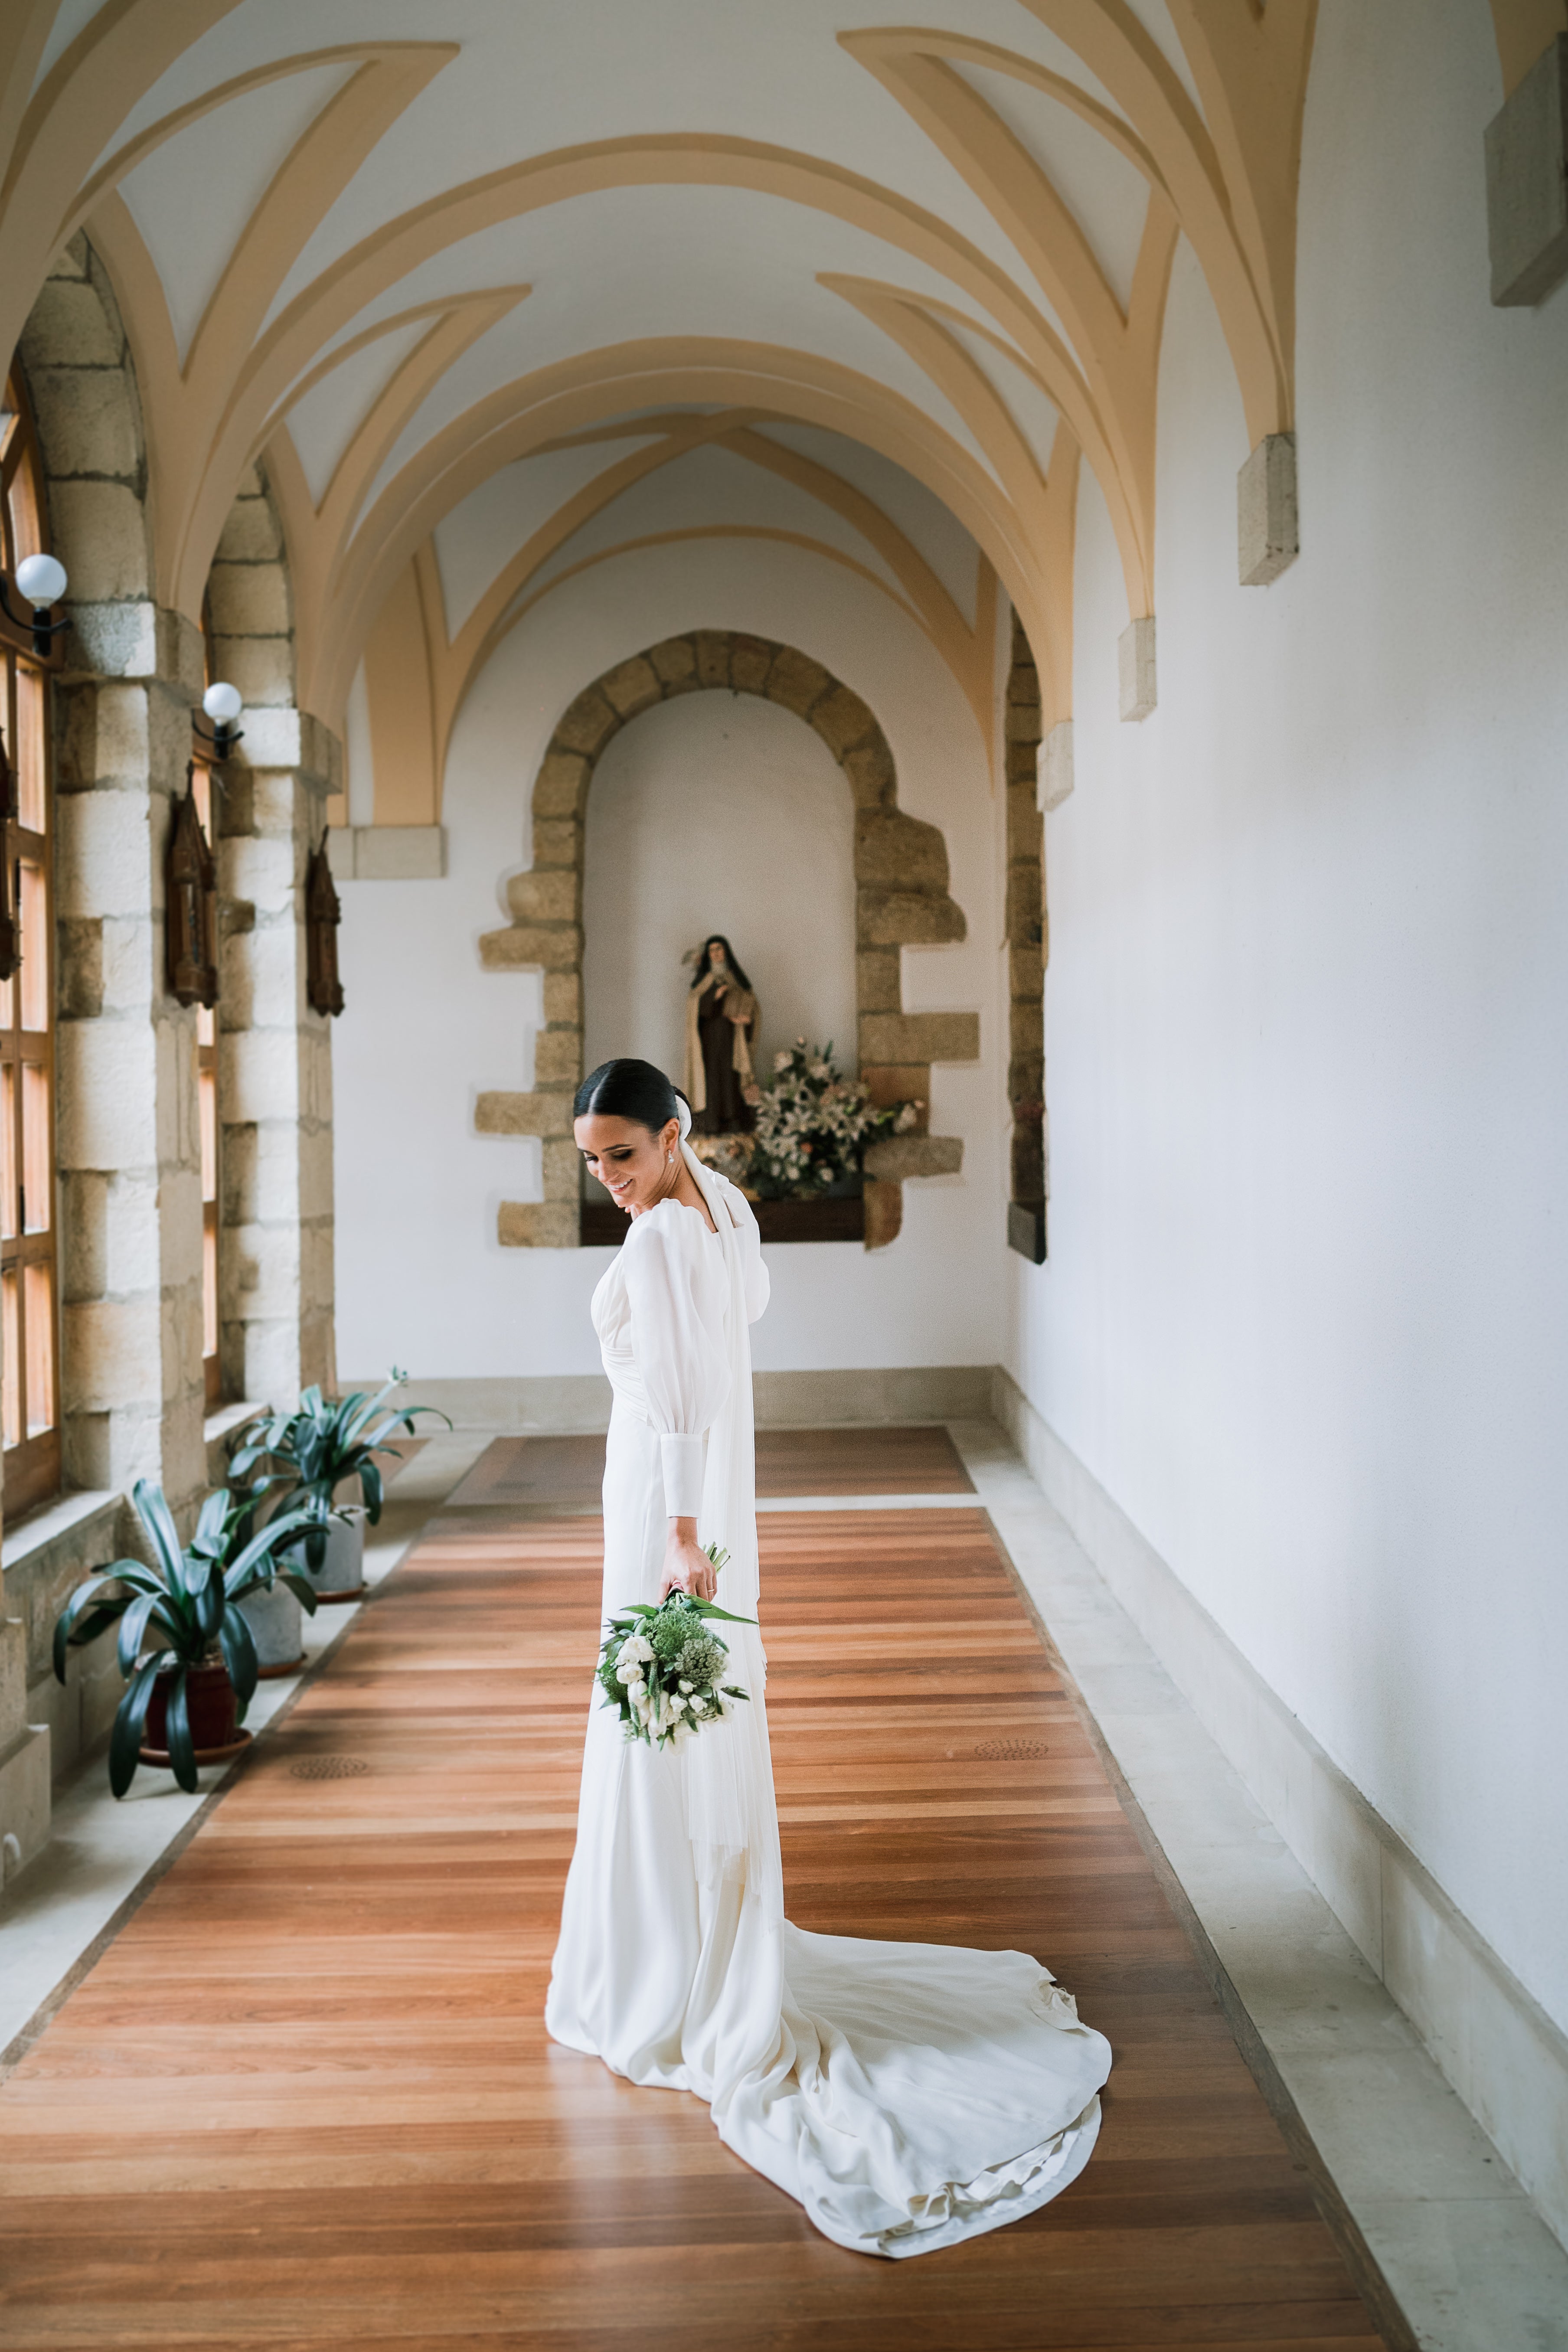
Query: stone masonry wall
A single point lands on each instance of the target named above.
(901, 899)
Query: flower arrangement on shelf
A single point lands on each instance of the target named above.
(812, 1126)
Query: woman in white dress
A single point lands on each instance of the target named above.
(909, 2095)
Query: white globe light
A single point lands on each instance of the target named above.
(223, 704)
(41, 580)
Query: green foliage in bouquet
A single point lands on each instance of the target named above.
(813, 1126)
(659, 1665)
(185, 1605)
(323, 1441)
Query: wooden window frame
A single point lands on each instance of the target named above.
(33, 1464)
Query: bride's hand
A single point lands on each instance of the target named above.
(687, 1567)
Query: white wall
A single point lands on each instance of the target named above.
(421, 1278)
(718, 812)
(1306, 1312)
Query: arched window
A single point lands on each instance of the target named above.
(29, 1389)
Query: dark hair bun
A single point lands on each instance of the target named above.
(627, 1089)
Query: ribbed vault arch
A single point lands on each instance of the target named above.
(901, 899)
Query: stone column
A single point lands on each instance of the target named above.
(1026, 958)
(275, 1079)
(128, 1139)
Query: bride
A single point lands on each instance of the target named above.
(909, 2095)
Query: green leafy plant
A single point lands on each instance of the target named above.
(313, 1449)
(185, 1605)
(814, 1126)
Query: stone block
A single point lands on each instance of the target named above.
(1026, 973)
(86, 422)
(919, 1037)
(900, 1157)
(251, 534)
(797, 681)
(539, 1224)
(114, 640)
(891, 1085)
(842, 722)
(547, 895)
(563, 1164)
(711, 647)
(262, 669)
(557, 841)
(1135, 668)
(67, 326)
(1527, 184)
(521, 947)
(907, 918)
(111, 1353)
(1021, 722)
(562, 784)
(872, 777)
(879, 981)
(631, 685)
(563, 999)
(274, 736)
(101, 535)
(884, 1213)
(750, 659)
(104, 852)
(1269, 537)
(259, 1075)
(558, 1057)
(106, 1115)
(586, 725)
(675, 664)
(1028, 1029)
(897, 852)
(24, 1784)
(544, 1112)
(1023, 904)
(249, 600)
(1055, 770)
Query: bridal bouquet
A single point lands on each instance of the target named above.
(659, 1665)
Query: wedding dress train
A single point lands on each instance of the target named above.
(907, 2095)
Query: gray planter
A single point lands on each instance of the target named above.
(342, 1572)
(277, 1627)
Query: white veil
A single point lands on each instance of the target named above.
(731, 1813)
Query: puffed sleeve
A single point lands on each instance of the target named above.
(676, 1292)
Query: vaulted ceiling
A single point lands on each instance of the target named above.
(541, 250)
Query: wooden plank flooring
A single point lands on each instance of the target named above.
(565, 1473)
(305, 2099)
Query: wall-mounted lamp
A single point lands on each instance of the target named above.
(223, 705)
(42, 580)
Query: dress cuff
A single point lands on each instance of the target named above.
(682, 1459)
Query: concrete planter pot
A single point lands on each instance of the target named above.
(276, 1623)
(341, 1576)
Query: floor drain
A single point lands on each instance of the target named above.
(1007, 1751)
(328, 1767)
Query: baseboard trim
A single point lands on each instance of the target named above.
(1503, 2055)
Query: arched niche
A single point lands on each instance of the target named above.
(901, 899)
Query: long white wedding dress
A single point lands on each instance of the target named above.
(909, 2095)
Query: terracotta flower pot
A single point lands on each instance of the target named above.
(214, 1713)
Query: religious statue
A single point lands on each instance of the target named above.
(721, 1030)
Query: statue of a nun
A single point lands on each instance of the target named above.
(721, 1030)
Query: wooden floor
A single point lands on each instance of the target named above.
(306, 2099)
(566, 1473)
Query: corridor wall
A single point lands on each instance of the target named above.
(427, 1030)
(1305, 1318)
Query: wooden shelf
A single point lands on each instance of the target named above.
(603, 1227)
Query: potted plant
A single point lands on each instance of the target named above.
(311, 1451)
(185, 1650)
(812, 1126)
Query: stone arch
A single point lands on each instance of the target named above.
(901, 895)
